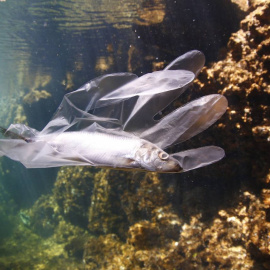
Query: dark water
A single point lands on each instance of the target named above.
(55, 37)
(57, 46)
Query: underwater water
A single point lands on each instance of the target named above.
(215, 217)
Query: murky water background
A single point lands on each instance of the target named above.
(81, 218)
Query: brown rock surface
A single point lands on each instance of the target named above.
(243, 77)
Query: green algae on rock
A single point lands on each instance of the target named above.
(126, 221)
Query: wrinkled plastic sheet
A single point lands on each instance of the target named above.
(123, 102)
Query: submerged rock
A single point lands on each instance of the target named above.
(116, 220)
(243, 77)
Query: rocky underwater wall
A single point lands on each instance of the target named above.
(107, 219)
